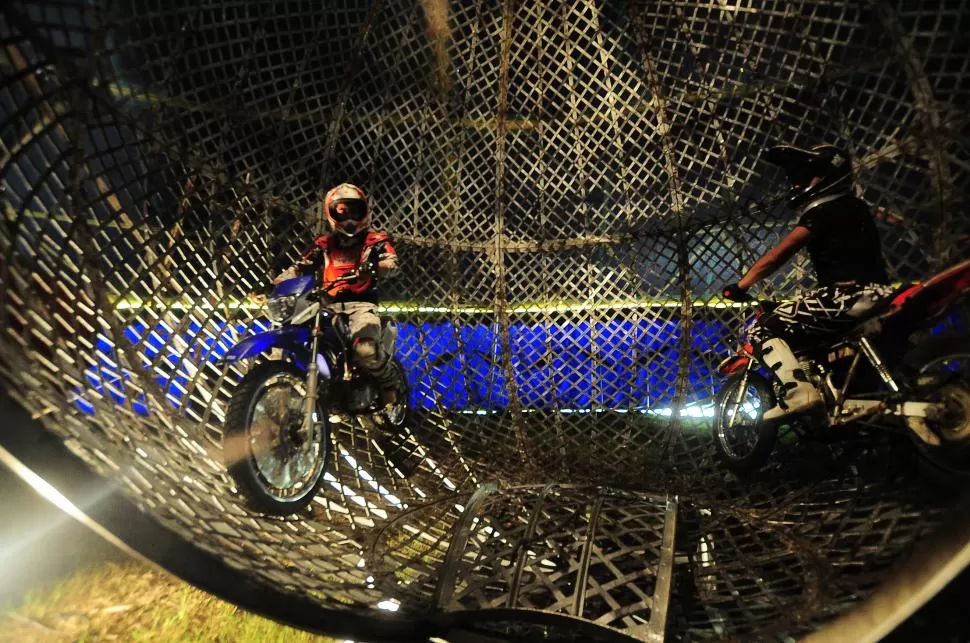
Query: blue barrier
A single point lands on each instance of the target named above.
(618, 364)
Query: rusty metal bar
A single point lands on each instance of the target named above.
(657, 626)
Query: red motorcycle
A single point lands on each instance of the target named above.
(883, 367)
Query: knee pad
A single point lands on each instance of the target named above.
(366, 350)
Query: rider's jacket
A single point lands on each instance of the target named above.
(336, 258)
(844, 246)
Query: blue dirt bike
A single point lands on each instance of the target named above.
(277, 440)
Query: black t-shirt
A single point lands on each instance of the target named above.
(845, 243)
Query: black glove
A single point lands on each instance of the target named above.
(734, 292)
(367, 269)
(368, 263)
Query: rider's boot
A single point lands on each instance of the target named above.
(388, 401)
(388, 397)
(381, 365)
(800, 394)
(387, 378)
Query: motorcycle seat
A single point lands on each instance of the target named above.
(868, 311)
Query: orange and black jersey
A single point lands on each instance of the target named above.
(335, 260)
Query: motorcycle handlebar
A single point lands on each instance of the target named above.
(765, 305)
(348, 278)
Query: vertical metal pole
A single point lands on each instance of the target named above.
(665, 574)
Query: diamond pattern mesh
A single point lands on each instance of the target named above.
(568, 184)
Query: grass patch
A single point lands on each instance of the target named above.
(136, 602)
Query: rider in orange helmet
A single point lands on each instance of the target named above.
(352, 247)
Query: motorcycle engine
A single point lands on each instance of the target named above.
(360, 397)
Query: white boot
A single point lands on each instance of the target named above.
(801, 395)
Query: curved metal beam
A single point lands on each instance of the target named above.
(530, 532)
(449, 568)
(928, 109)
(589, 631)
(935, 564)
(583, 572)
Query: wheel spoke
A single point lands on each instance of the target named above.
(738, 420)
(283, 469)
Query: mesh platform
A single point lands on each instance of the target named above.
(568, 184)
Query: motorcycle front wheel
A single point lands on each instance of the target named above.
(276, 467)
(400, 416)
(742, 438)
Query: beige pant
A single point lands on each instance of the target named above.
(365, 329)
(364, 322)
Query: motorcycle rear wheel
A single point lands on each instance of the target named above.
(947, 356)
(275, 476)
(748, 444)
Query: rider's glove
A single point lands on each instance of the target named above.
(734, 292)
(368, 263)
(366, 270)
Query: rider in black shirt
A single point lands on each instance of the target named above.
(844, 245)
(837, 230)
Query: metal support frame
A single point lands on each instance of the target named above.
(583, 572)
(657, 625)
(840, 397)
(449, 569)
(530, 533)
(672, 152)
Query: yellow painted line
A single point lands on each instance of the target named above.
(516, 309)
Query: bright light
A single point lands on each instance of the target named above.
(390, 605)
(58, 499)
(370, 480)
(690, 411)
(47, 490)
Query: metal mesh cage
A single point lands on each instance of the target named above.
(567, 184)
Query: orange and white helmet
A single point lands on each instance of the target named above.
(347, 209)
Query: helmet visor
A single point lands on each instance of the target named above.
(348, 210)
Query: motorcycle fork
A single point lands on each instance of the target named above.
(739, 396)
(312, 380)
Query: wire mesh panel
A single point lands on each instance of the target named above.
(568, 184)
